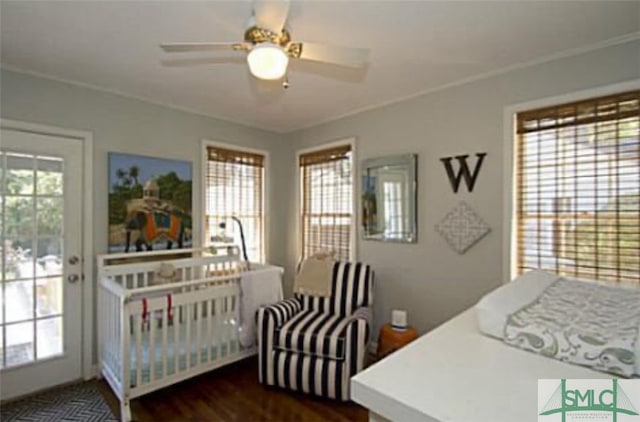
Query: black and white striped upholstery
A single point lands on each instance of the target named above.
(316, 344)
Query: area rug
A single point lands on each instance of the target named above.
(77, 402)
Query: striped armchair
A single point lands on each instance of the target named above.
(316, 344)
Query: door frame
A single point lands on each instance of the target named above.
(86, 138)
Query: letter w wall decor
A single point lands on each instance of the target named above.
(463, 171)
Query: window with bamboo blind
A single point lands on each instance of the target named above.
(235, 188)
(327, 201)
(578, 189)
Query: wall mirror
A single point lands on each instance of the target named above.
(389, 199)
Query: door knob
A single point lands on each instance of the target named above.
(73, 260)
(73, 278)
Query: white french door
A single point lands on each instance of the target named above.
(41, 266)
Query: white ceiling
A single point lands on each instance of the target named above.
(416, 46)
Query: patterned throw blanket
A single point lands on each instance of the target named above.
(581, 323)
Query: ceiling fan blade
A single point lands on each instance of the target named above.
(186, 47)
(202, 61)
(271, 15)
(343, 56)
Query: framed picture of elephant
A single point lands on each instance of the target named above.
(149, 203)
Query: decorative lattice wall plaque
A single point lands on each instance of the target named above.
(462, 227)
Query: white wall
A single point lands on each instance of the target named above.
(122, 124)
(428, 279)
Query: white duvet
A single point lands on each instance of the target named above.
(493, 309)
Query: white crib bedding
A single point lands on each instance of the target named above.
(215, 351)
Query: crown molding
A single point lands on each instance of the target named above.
(634, 36)
(113, 91)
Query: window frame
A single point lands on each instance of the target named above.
(351, 142)
(510, 183)
(265, 188)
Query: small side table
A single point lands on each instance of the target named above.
(391, 340)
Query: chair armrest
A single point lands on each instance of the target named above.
(365, 313)
(282, 311)
(361, 321)
(269, 318)
(358, 335)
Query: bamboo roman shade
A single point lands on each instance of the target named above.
(235, 187)
(578, 189)
(327, 201)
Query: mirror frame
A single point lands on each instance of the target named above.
(410, 161)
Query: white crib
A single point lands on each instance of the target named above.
(153, 335)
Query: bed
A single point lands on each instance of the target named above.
(166, 316)
(458, 373)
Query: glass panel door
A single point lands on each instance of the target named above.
(33, 210)
(40, 285)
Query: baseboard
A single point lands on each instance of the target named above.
(93, 373)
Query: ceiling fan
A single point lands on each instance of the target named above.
(269, 46)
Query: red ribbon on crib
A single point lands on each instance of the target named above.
(144, 310)
(169, 311)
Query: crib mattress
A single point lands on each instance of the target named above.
(187, 354)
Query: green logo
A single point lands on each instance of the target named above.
(611, 401)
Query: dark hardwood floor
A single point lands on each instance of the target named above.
(233, 393)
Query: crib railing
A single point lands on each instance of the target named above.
(110, 329)
(134, 271)
(153, 335)
(197, 328)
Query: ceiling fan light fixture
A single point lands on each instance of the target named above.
(268, 61)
